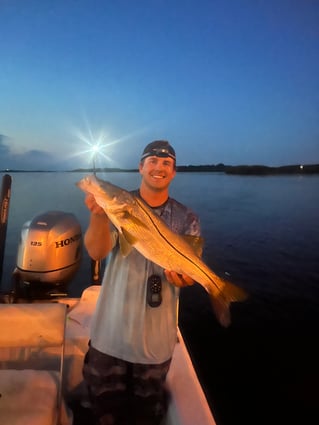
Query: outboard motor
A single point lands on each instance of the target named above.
(49, 254)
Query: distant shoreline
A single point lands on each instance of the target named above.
(220, 168)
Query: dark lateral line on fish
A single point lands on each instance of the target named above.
(169, 243)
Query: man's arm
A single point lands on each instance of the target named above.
(97, 238)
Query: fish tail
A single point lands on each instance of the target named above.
(221, 303)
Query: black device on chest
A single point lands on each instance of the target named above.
(154, 290)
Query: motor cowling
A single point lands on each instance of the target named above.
(50, 249)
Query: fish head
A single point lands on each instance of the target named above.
(95, 186)
(110, 197)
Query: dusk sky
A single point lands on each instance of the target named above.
(225, 81)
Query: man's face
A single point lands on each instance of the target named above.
(157, 172)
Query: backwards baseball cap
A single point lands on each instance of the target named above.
(160, 148)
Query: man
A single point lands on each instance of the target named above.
(134, 328)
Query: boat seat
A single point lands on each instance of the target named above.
(31, 372)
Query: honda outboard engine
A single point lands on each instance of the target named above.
(49, 251)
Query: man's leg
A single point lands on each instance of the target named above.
(107, 386)
(150, 396)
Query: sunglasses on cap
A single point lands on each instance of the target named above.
(160, 152)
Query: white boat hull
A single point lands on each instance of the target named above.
(188, 404)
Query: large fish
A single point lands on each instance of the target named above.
(140, 228)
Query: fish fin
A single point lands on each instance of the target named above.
(126, 214)
(127, 241)
(221, 303)
(233, 293)
(125, 245)
(196, 242)
(221, 310)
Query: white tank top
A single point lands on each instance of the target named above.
(124, 324)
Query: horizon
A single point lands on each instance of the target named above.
(115, 169)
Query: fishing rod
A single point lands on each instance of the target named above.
(4, 213)
(95, 264)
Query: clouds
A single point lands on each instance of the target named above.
(28, 160)
(69, 155)
(4, 150)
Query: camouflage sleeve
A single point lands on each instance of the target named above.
(193, 231)
(192, 224)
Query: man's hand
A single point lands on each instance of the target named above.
(179, 280)
(92, 205)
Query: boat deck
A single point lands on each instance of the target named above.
(188, 404)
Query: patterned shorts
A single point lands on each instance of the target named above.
(124, 393)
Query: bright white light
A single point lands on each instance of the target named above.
(99, 146)
(95, 149)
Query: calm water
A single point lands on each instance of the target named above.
(261, 232)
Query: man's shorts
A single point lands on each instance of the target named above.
(124, 393)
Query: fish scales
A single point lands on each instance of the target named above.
(141, 228)
(178, 256)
